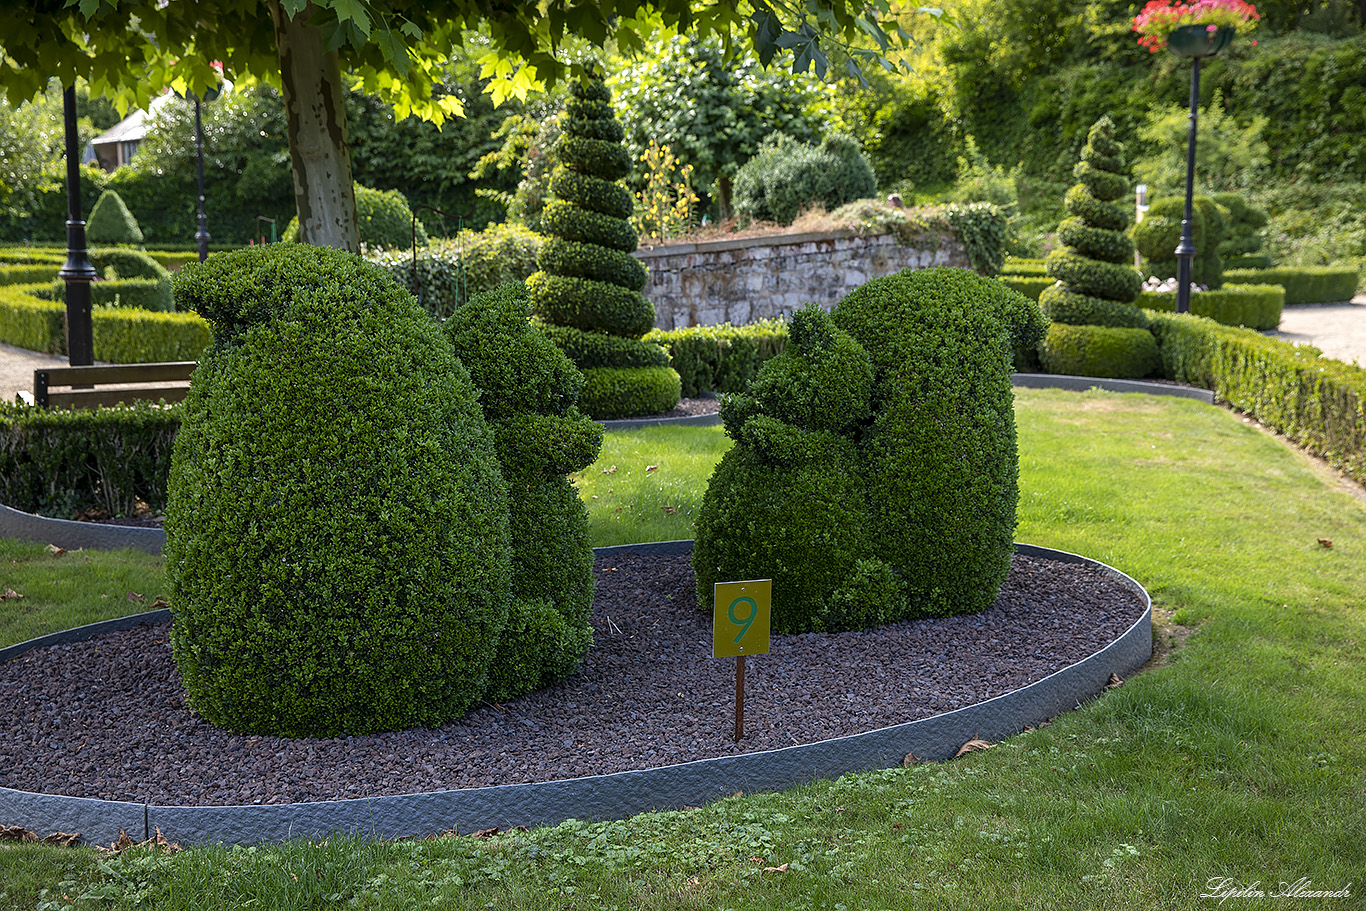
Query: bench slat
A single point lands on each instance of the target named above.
(119, 373)
(91, 398)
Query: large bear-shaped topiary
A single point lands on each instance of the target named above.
(337, 535)
(874, 472)
(528, 391)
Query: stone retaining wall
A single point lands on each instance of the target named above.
(740, 281)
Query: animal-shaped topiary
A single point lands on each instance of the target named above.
(337, 528)
(528, 391)
(788, 500)
(1159, 233)
(874, 472)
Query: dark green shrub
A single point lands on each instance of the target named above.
(136, 293)
(787, 176)
(1063, 306)
(1029, 285)
(63, 462)
(1097, 213)
(939, 456)
(1095, 243)
(337, 528)
(456, 269)
(1246, 262)
(528, 390)
(1158, 234)
(111, 223)
(622, 392)
(1101, 351)
(1116, 282)
(722, 358)
(983, 229)
(1243, 237)
(594, 349)
(112, 262)
(587, 280)
(1255, 306)
(1303, 284)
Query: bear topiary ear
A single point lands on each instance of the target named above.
(811, 330)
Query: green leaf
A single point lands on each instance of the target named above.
(353, 11)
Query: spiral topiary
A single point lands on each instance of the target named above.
(1096, 285)
(588, 286)
(337, 537)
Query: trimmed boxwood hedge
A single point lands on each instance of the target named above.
(571, 222)
(1114, 281)
(623, 392)
(337, 537)
(722, 358)
(121, 335)
(1098, 213)
(1100, 351)
(1303, 284)
(594, 193)
(603, 264)
(1031, 286)
(591, 306)
(1063, 306)
(1096, 243)
(605, 158)
(1255, 306)
(597, 349)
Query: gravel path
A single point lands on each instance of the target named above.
(107, 718)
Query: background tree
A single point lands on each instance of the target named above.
(132, 48)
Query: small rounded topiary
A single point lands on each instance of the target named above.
(528, 391)
(1159, 233)
(589, 284)
(111, 223)
(337, 528)
(383, 220)
(1100, 351)
(786, 176)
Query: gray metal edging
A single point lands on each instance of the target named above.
(692, 420)
(607, 796)
(77, 535)
(1083, 383)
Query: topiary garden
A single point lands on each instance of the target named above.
(339, 541)
(589, 285)
(874, 471)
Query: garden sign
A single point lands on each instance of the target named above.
(740, 622)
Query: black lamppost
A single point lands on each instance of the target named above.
(1195, 42)
(77, 272)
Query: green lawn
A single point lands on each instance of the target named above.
(1238, 757)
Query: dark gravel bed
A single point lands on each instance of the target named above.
(107, 718)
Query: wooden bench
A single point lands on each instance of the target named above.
(80, 387)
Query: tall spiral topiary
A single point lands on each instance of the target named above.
(589, 283)
(337, 528)
(1096, 281)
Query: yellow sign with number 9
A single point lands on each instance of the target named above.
(740, 618)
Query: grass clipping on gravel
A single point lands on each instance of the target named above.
(1237, 762)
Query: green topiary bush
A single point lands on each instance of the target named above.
(1156, 237)
(588, 283)
(529, 390)
(1245, 223)
(1303, 284)
(1101, 351)
(1254, 306)
(786, 176)
(111, 223)
(453, 270)
(1096, 285)
(875, 457)
(337, 535)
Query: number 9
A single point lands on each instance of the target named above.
(745, 623)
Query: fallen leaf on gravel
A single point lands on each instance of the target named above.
(1325, 542)
(63, 839)
(782, 869)
(10, 594)
(55, 551)
(157, 841)
(136, 598)
(17, 833)
(973, 746)
(1115, 680)
(650, 468)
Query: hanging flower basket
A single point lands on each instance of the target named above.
(1193, 28)
(1199, 40)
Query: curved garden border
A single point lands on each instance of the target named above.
(596, 797)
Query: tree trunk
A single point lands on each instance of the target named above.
(314, 96)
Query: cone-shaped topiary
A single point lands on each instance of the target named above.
(337, 535)
(111, 222)
(588, 283)
(528, 391)
(874, 472)
(1097, 282)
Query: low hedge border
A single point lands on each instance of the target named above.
(28, 274)
(1028, 284)
(621, 392)
(720, 358)
(121, 335)
(1318, 402)
(1101, 351)
(1303, 284)
(1254, 306)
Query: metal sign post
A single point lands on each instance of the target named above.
(740, 627)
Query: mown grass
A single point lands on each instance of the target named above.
(1238, 758)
